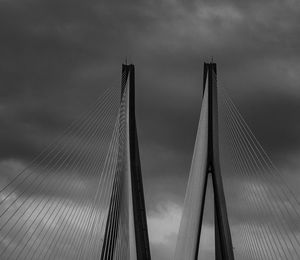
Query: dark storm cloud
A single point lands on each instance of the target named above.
(275, 120)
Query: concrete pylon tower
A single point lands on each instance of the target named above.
(126, 234)
(205, 161)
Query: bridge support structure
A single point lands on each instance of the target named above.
(126, 233)
(205, 161)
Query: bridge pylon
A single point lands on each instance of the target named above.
(126, 234)
(205, 161)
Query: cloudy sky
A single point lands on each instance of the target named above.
(56, 56)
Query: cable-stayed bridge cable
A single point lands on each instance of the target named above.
(43, 207)
(284, 238)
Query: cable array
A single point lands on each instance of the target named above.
(269, 217)
(116, 240)
(57, 207)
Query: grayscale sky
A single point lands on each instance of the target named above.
(56, 55)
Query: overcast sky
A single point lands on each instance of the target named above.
(57, 55)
